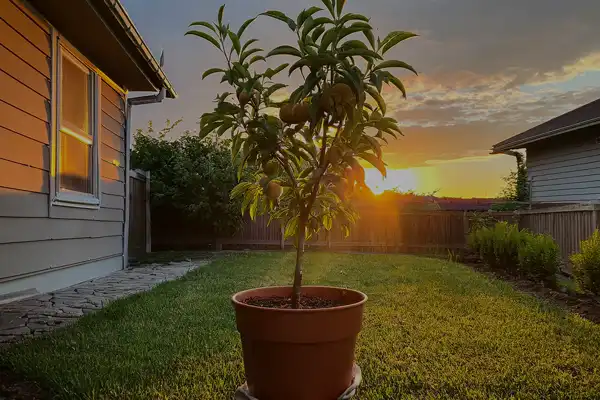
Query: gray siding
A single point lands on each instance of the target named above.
(566, 169)
(34, 236)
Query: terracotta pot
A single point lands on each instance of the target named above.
(299, 354)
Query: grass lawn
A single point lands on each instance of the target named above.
(433, 329)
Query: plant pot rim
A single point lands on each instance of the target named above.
(299, 310)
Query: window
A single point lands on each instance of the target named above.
(77, 131)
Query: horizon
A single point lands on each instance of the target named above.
(478, 82)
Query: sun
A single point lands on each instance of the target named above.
(403, 180)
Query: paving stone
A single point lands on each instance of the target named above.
(40, 314)
(14, 331)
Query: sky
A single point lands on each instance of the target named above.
(488, 69)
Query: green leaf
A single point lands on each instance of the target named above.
(374, 161)
(366, 53)
(211, 71)
(327, 39)
(204, 24)
(369, 35)
(308, 26)
(254, 208)
(329, 6)
(240, 189)
(316, 61)
(274, 88)
(236, 145)
(340, 6)
(220, 16)
(270, 73)
(394, 38)
(235, 41)
(348, 31)
(285, 50)
(353, 44)
(377, 97)
(374, 145)
(350, 17)
(241, 69)
(307, 13)
(291, 227)
(317, 32)
(205, 36)
(248, 43)
(361, 25)
(255, 59)
(327, 222)
(245, 54)
(398, 83)
(282, 17)
(244, 26)
(395, 64)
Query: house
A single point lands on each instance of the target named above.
(66, 68)
(563, 156)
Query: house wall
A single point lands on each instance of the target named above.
(36, 237)
(566, 169)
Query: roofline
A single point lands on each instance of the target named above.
(125, 21)
(500, 148)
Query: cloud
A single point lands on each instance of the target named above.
(472, 159)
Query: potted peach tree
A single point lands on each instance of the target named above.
(298, 342)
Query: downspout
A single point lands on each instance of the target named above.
(134, 101)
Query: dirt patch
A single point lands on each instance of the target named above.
(585, 305)
(13, 388)
(306, 302)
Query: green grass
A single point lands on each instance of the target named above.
(432, 329)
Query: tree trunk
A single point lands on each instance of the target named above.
(299, 257)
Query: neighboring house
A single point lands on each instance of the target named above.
(563, 156)
(66, 67)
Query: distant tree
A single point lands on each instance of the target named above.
(516, 186)
(190, 177)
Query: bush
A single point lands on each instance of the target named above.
(498, 246)
(191, 179)
(539, 257)
(586, 264)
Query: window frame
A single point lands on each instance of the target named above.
(65, 197)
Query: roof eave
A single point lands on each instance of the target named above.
(128, 26)
(501, 147)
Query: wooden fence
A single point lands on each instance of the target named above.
(140, 238)
(434, 232)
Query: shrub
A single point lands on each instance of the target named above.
(539, 257)
(586, 263)
(498, 246)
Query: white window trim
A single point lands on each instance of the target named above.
(62, 197)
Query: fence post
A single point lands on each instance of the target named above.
(148, 216)
(595, 217)
(466, 226)
(282, 238)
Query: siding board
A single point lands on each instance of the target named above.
(24, 73)
(110, 171)
(113, 96)
(38, 20)
(15, 230)
(111, 201)
(25, 26)
(112, 125)
(23, 150)
(23, 258)
(111, 155)
(20, 96)
(112, 187)
(23, 49)
(102, 214)
(17, 203)
(113, 111)
(18, 176)
(112, 140)
(19, 121)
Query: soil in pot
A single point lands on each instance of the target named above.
(306, 302)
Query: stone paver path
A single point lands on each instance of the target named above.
(42, 313)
